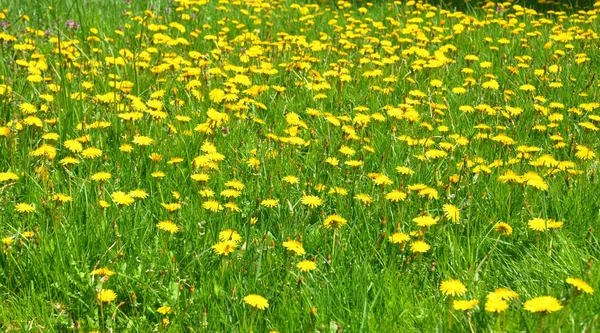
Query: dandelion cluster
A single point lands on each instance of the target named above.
(225, 157)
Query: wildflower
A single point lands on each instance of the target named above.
(122, 199)
(452, 213)
(256, 301)
(399, 238)
(503, 294)
(425, 221)
(139, 194)
(453, 288)
(503, 229)
(106, 296)
(230, 235)
(269, 203)
(495, 305)
(580, 285)
(395, 196)
(364, 198)
(24, 208)
(311, 201)
(419, 247)
(142, 140)
(91, 153)
(464, 305)
(8, 176)
(306, 265)
(168, 226)
(171, 207)
(101, 176)
(165, 310)
(224, 248)
(102, 271)
(543, 304)
(334, 221)
(291, 179)
(212, 205)
(537, 224)
(295, 247)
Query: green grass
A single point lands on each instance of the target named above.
(362, 282)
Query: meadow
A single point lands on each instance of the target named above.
(281, 166)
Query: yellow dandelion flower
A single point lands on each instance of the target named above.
(311, 201)
(425, 221)
(419, 247)
(464, 305)
(168, 226)
(256, 301)
(306, 265)
(269, 203)
(399, 238)
(453, 288)
(102, 271)
(101, 176)
(165, 310)
(452, 213)
(580, 285)
(224, 248)
(538, 224)
(24, 208)
(543, 304)
(294, 246)
(334, 221)
(142, 140)
(171, 207)
(496, 305)
(503, 229)
(106, 296)
(122, 199)
(230, 235)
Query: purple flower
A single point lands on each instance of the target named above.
(71, 24)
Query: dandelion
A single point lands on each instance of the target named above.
(537, 224)
(496, 305)
(270, 203)
(165, 310)
(102, 271)
(295, 247)
(224, 248)
(399, 238)
(142, 140)
(306, 265)
(334, 221)
(425, 221)
(230, 235)
(106, 296)
(453, 288)
(419, 247)
(452, 213)
(311, 201)
(101, 176)
(256, 301)
(503, 229)
(24, 208)
(580, 285)
(464, 305)
(122, 199)
(168, 226)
